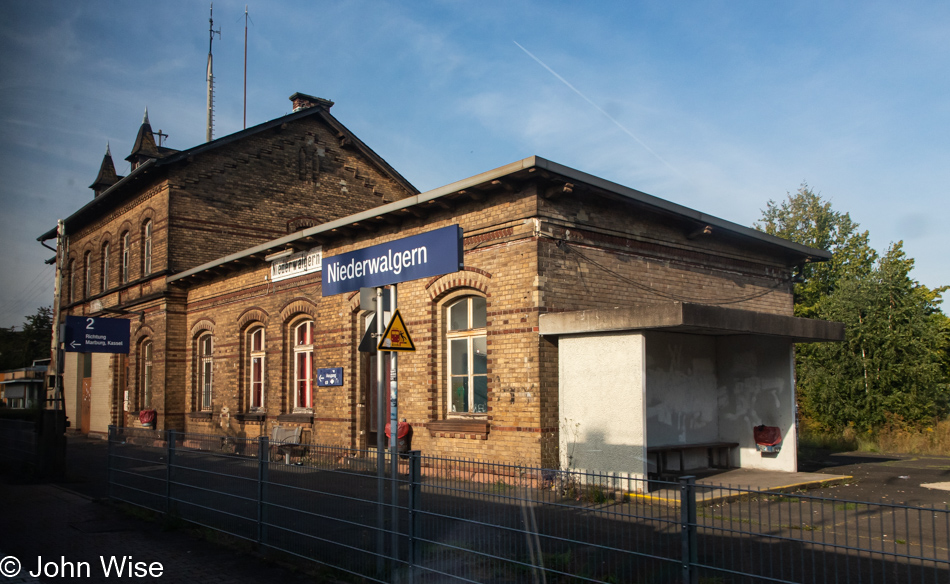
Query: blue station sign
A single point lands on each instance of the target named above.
(428, 254)
(85, 334)
(329, 376)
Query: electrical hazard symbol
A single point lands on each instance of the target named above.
(396, 337)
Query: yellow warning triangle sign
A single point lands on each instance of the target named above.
(396, 337)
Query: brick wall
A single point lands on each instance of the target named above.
(266, 185)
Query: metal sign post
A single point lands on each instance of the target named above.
(393, 433)
(380, 435)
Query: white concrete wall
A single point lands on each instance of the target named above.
(682, 404)
(601, 397)
(756, 386)
(72, 388)
(100, 415)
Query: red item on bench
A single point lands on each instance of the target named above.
(767, 435)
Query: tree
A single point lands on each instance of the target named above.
(891, 365)
(807, 219)
(894, 361)
(20, 348)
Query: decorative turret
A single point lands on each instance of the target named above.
(144, 147)
(107, 176)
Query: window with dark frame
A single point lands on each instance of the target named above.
(205, 364)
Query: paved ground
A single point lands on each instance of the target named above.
(72, 520)
(893, 478)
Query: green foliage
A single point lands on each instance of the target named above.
(893, 365)
(807, 219)
(20, 348)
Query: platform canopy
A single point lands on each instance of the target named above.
(685, 317)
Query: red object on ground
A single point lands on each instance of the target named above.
(767, 435)
(401, 430)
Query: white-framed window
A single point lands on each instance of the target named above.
(255, 345)
(205, 370)
(303, 366)
(126, 243)
(87, 274)
(105, 267)
(147, 248)
(467, 356)
(146, 375)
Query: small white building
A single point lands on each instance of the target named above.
(650, 389)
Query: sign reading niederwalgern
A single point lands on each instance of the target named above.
(396, 337)
(304, 262)
(428, 254)
(329, 376)
(85, 334)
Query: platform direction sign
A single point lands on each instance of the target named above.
(329, 376)
(86, 334)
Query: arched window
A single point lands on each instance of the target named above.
(87, 274)
(303, 366)
(147, 248)
(467, 356)
(205, 371)
(124, 273)
(146, 394)
(255, 381)
(104, 265)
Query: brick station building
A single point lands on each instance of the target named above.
(214, 254)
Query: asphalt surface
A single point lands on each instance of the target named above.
(888, 478)
(72, 521)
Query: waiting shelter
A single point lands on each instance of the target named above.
(656, 388)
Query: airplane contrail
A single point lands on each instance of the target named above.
(598, 108)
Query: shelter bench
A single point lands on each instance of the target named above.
(288, 441)
(717, 454)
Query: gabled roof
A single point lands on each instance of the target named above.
(520, 170)
(170, 158)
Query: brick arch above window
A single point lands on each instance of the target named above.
(144, 331)
(126, 226)
(473, 278)
(201, 326)
(300, 223)
(146, 214)
(252, 315)
(298, 306)
(353, 301)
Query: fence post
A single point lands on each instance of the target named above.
(688, 529)
(109, 458)
(263, 458)
(415, 491)
(170, 437)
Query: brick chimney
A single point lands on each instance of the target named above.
(304, 101)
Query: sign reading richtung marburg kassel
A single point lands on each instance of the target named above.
(428, 254)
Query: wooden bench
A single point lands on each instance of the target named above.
(716, 453)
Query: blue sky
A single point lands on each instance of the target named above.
(719, 106)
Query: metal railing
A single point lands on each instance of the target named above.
(474, 521)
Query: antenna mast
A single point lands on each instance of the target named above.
(210, 129)
(245, 66)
